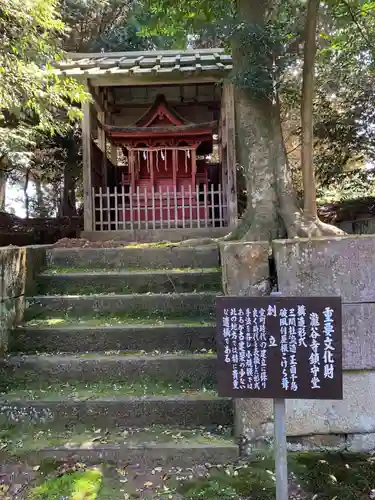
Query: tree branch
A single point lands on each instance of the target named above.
(357, 23)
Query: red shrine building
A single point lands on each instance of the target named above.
(158, 144)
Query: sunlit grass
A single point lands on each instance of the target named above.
(80, 485)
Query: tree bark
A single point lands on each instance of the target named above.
(68, 200)
(3, 183)
(42, 210)
(25, 193)
(307, 161)
(272, 208)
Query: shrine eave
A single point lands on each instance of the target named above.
(152, 64)
(189, 130)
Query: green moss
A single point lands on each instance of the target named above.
(51, 271)
(155, 319)
(21, 440)
(105, 282)
(340, 476)
(75, 485)
(44, 391)
(159, 244)
(254, 480)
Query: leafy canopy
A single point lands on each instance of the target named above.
(33, 99)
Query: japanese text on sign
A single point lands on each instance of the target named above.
(279, 347)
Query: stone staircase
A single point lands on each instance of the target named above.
(116, 361)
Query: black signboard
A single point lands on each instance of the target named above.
(279, 347)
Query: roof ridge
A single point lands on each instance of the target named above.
(135, 53)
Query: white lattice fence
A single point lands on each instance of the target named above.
(121, 208)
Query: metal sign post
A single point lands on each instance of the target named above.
(281, 452)
(281, 464)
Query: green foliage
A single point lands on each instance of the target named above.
(345, 97)
(81, 484)
(271, 60)
(334, 475)
(179, 19)
(349, 185)
(110, 25)
(30, 91)
(254, 480)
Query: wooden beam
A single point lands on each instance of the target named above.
(87, 168)
(193, 155)
(174, 167)
(102, 146)
(111, 121)
(96, 96)
(229, 139)
(129, 80)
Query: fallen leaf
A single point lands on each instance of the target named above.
(36, 467)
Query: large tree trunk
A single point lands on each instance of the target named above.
(260, 148)
(42, 209)
(309, 185)
(68, 199)
(26, 194)
(272, 209)
(3, 183)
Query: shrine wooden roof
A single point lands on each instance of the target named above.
(189, 129)
(158, 111)
(149, 63)
(161, 120)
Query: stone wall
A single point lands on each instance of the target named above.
(360, 226)
(323, 266)
(18, 267)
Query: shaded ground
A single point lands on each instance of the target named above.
(320, 476)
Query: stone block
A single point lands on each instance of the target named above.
(147, 455)
(246, 271)
(13, 279)
(156, 235)
(358, 336)
(245, 268)
(80, 338)
(318, 442)
(194, 369)
(251, 417)
(139, 305)
(361, 442)
(157, 281)
(355, 414)
(185, 412)
(135, 258)
(340, 266)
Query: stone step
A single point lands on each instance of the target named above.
(170, 305)
(156, 446)
(187, 411)
(193, 370)
(86, 337)
(167, 257)
(125, 282)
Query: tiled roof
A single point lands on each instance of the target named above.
(146, 63)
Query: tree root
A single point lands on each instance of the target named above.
(197, 242)
(297, 226)
(307, 227)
